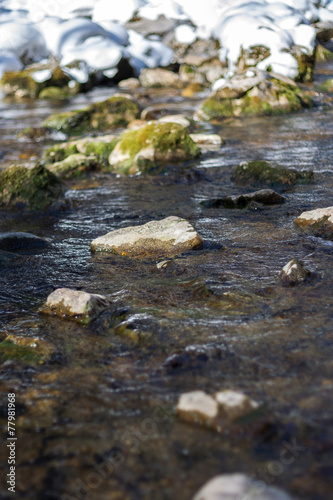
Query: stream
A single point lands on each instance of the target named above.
(96, 419)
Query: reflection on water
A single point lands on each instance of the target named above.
(93, 396)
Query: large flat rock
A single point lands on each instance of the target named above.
(166, 237)
(317, 222)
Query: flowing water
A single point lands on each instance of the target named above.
(96, 418)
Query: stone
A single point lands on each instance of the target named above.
(203, 140)
(239, 486)
(75, 304)
(17, 241)
(318, 222)
(116, 111)
(234, 405)
(192, 89)
(294, 273)
(31, 188)
(27, 350)
(74, 166)
(180, 119)
(263, 196)
(158, 77)
(263, 173)
(197, 407)
(164, 238)
(261, 94)
(129, 84)
(146, 148)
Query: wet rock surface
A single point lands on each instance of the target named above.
(263, 196)
(261, 173)
(169, 236)
(17, 241)
(318, 222)
(294, 273)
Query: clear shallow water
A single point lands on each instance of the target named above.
(100, 393)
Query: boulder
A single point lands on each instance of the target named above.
(206, 140)
(260, 93)
(237, 487)
(32, 188)
(167, 237)
(116, 111)
(294, 273)
(263, 196)
(149, 146)
(318, 222)
(234, 405)
(262, 173)
(74, 166)
(158, 77)
(197, 407)
(75, 304)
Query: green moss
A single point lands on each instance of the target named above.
(327, 85)
(27, 355)
(323, 55)
(163, 137)
(59, 152)
(101, 150)
(35, 188)
(114, 112)
(55, 93)
(263, 174)
(13, 82)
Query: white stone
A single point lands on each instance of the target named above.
(180, 119)
(316, 215)
(192, 405)
(67, 302)
(203, 139)
(234, 404)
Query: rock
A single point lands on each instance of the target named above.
(167, 237)
(194, 356)
(263, 196)
(116, 111)
(147, 147)
(327, 85)
(261, 94)
(204, 140)
(75, 304)
(197, 407)
(74, 166)
(192, 89)
(180, 119)
(237, 487)
(154, 78)
(99, 147)
(294, 273)
(27, 350)
(263, 174)
(32, 188)
(318, 222)
(35, 79)
(226, 408)
(234, 405)
(135, 124)
(129, 84)
(18, 241)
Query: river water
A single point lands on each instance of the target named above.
(96, 418)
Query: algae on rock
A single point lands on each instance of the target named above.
(261, 173)
(32, 188)
(149, 146)
(116, 111)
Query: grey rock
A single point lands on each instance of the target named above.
(16, 241)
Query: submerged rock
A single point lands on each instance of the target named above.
(149, 146)
(294, 273)
(239, 486)
(75, 304)
(32, 188)
(263, 196)
(216, 412)
(318, 222)
(163, 238)
(263, 174)
(17, 241)
(116, 111)
(28, 350)
(261, 94)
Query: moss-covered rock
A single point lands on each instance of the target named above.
(261, 173)
(327, 85)
(150, 146)
(31, 351)
(116, 111)
(98, 148)
(74, 166)
(318, 222)
(264, 95)
(32, 188)
(38, 79)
